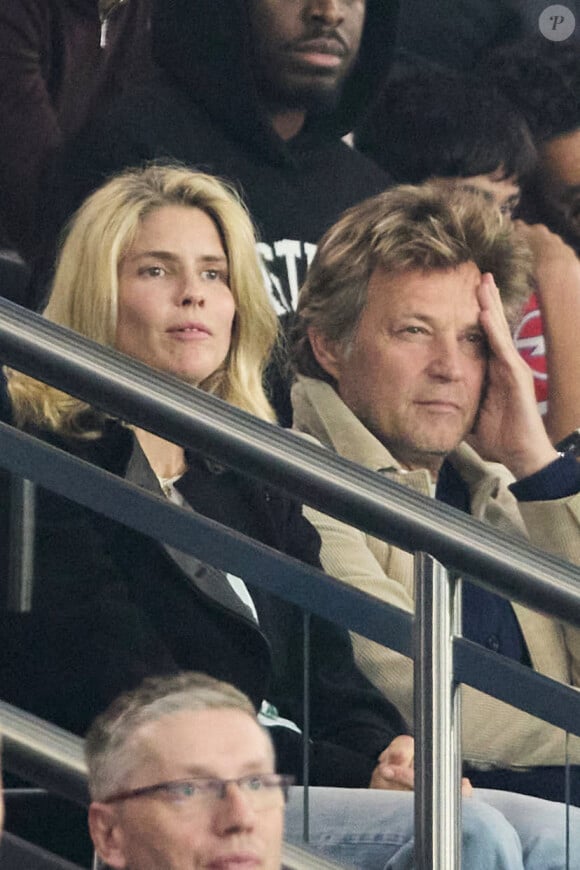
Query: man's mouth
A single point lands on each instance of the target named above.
(322, 45)
(440, 406)
(322, 51)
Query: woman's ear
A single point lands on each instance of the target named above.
(326, 352)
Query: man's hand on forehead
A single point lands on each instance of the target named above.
(492, 317)
(509, 428)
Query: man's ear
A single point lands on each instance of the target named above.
(326, 352)
(107, 835)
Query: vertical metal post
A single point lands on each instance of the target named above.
(437, 718)
(21, 553)
(306, 730)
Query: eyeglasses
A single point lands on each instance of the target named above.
(262, 790)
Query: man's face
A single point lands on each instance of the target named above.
(415, 368)
(304, 49)
(560, 184)
(162, 832)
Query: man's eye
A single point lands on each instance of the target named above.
(477, 343)
(414, 330)
(253, 783)
(184, 790)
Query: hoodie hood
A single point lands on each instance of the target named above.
(205, 47)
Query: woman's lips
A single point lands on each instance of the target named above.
(189, 331)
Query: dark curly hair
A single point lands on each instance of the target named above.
(431, 122)
(542, 79)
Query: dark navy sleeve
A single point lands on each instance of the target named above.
(559, 479)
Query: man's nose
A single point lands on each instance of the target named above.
(233, 812)
(447, 359)
(329, 12)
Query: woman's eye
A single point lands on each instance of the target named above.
(152, 271)
(215, 275)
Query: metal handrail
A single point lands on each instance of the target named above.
(42, 753)
(305, 586)
(159, 402)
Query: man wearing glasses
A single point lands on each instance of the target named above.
(181, 775)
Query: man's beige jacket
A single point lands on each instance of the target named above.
(494, 734)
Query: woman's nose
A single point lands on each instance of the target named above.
(191, 291)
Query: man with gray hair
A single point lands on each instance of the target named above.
(181, 775)
(403, 351)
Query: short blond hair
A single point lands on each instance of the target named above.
(84, 294)
(408, 227)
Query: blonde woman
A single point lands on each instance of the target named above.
(160, 263)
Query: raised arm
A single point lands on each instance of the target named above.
(509, 428)
(557, 273)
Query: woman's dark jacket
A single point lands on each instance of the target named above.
(111, 606)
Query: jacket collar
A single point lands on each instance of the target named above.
(208, 580)
(320, 412)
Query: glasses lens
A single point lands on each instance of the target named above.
(263, 791)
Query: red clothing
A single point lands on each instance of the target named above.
(54, 76)
(529, 338)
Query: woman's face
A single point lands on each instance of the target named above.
(175, 306)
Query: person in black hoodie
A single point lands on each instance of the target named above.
(259, 92)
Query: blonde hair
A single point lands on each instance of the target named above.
(408, 227)
(84, 293)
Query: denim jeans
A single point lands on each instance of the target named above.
(375, 829)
